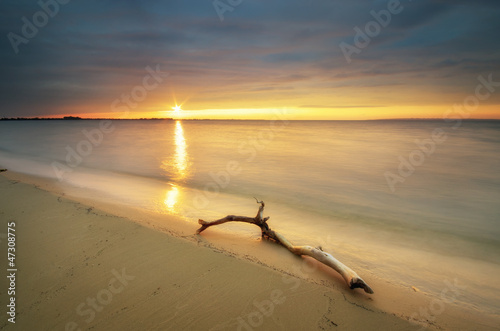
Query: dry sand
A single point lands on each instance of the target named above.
(81, 267)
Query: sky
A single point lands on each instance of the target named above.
(250, 59)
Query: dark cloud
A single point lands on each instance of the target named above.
(93, 50)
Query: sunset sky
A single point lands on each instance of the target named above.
(263, 57)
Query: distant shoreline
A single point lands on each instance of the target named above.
(72, 118)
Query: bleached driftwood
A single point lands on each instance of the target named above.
(352, 279)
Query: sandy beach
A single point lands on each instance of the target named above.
(250, 165)
(80, 267)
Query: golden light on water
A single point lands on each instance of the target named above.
(181, 155)
(172, 198)
(178, 165)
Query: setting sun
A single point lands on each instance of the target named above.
(345, 134)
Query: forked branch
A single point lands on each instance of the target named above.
(352, 279)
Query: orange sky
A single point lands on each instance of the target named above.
(365, 107)
(140, 59)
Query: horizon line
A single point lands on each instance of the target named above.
(76, 118)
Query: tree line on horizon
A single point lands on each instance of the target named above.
(73, 118)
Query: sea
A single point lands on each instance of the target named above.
(413, 201)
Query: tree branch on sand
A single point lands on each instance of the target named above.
(352, 279)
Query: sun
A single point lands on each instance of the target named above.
(177, 108)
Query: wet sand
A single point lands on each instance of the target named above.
(81, 266)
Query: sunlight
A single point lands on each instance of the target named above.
(172, 197)
(177, 165)
(177, 108)
(180, 157)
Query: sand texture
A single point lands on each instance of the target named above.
(80, 267)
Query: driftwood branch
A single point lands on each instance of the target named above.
(352, 279)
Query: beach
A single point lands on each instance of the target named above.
(68, 252)
(92, 223)
(81, 267)
(250, 165)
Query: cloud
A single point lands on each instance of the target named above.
(262, 53)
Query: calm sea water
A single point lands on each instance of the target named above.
(370, 188)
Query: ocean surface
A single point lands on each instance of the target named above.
(416, 201)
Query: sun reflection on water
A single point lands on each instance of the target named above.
(178, 165)
(181, 156)
(172, 197)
